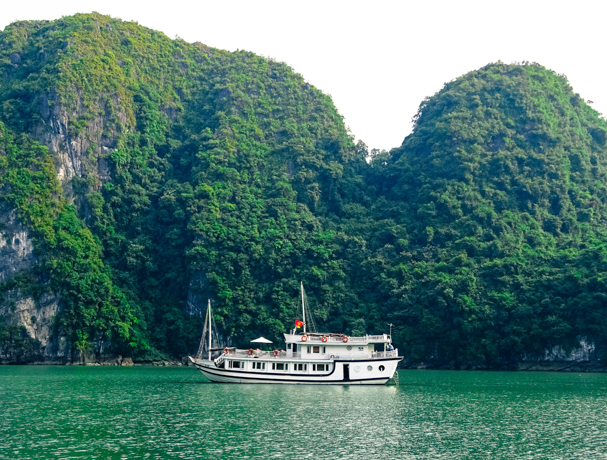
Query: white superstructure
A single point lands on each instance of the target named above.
(309, 358)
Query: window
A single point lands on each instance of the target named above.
(320, 367)
(273, 366)
(324, 350)
(316, 350)
(300, 367)
(309, 349)
(280, 366)
(294, 348)
(259, 365)
(290, 346)
(235, 364)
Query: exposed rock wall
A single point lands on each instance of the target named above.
(82, 154)
(16, 246)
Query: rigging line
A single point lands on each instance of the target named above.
(309, 312)
(185, 380)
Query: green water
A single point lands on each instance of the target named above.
(163, 413)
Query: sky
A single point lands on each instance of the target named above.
(377, 59)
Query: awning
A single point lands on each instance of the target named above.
(261, 340)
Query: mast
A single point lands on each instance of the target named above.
(210, 327)
(303, 308)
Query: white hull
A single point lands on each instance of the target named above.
(359, 374)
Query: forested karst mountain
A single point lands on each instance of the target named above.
(500, 191)
(141, 175)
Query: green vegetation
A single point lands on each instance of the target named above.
(205, 173)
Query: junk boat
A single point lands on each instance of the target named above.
(309, 358)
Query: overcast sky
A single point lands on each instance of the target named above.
(377, 59)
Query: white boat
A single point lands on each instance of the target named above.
(309, 358)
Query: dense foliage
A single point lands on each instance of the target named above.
(500, 195)
(481, 238)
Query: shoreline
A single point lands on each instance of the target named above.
(596, 367)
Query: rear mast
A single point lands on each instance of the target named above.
(303, 307)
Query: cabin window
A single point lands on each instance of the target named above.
(294, 348)
(273, 366)
(259, 365)
(280, 366)
(235, 364)
(300, 367)
(316, 349)
(324, 350)
(319, 367)
(289, 346)
(309, 349)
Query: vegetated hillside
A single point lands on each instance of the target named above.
(197, 172)
(501, 195)
(142, 175)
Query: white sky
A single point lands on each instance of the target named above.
(377, 59)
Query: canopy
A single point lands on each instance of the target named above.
(261, 340)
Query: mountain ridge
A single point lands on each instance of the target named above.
(152, 174)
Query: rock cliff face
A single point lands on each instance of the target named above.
(32, 315)
(82, 166)
(16, 246)
(81, 155)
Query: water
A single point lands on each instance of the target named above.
(56, 412)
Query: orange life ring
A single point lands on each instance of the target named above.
(275, 352)
(344, 339)
(324, 339)
(304, 338)
(250, 351)
(226, 351)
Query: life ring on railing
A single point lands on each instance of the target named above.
(226, 350)
(250, 351)
(304, 338)
(324, 339)
(345, 339)
(275, 352)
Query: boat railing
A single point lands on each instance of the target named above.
(363, 339)
(255, 354)
(283, 354)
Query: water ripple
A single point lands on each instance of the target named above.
(155, 413)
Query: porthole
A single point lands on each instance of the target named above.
(369, 368)
(357, 369)
(381, 368)
(349, 347)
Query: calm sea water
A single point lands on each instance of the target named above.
(58, 412)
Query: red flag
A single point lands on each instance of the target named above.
(298, 323)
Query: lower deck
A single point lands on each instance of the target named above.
(370, 371)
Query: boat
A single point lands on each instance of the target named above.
(310, 357)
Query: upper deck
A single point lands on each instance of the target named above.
(337, 339)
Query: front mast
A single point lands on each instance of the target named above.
(210, 326)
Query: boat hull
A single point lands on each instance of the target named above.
(342, 373)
